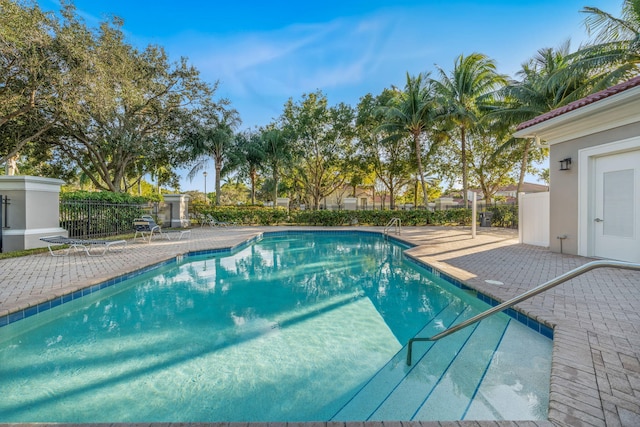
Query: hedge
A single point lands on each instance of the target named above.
(257, 215)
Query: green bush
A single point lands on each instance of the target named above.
(458, 216)
(247, 215)
(104, 196)
(260, 215)
(504, 216)
(325, 218)
(382, 217)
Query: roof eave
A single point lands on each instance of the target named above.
(614, 111)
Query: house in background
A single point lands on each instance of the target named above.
(505, 195)
(511, 191)
(594, 162)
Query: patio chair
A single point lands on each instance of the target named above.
(215, 223)
(198, 219)
(83, 244)
(147, 226)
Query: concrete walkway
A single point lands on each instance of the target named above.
(595, 378)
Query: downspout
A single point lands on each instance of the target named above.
(540, 144)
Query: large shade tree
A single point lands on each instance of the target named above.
(132, 105)
(322, 139)
(32, 80)
(89, 99)
(390, 156)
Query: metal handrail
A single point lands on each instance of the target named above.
(395, 221)
(533, 292)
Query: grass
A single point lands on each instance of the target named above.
(35, 251)
(16, 254)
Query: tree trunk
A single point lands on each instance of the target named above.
(465, 186)
(275, 187)
(392, 201)
(416, 141)
(218, 170)
(253, 187)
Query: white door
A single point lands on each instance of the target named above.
(616, 221)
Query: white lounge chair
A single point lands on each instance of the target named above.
(83, 244)
(215, 223)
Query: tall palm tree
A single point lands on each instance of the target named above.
(412, 113)
(473, 78)
(615, 54)
(277, 152)
(545, 83)
(247, 157)
(214, 139)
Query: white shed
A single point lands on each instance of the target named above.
(594, 172)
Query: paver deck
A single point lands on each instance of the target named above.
(595, 375)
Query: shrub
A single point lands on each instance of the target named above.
(504, 216)
(249, 215)
(260, 215)
(104, 196)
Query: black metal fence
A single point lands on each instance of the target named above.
(91, 218)
(1, 220)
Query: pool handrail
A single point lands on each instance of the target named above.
(394, 222)
(530, 293)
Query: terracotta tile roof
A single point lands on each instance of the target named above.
(613, 90)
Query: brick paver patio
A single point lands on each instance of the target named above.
(595, 377)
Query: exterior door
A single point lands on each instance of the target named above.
(616, 221)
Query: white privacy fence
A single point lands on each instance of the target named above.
(533, 219)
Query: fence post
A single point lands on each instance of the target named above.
(474, 211)
(1, 220)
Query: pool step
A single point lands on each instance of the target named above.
(442, 380)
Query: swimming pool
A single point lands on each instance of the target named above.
(295, 327)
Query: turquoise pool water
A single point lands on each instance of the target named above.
(294, 327)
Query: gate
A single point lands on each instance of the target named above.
(533, 218)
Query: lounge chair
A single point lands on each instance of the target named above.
(83, 244)
(215, 223)
(198, 219)
(146, 225)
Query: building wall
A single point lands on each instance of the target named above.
(564, 184)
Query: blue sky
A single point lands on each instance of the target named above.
(265, 52)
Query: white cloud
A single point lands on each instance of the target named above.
(294, 59)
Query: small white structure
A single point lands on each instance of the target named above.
(594, 172)
(283, 202)
(445, 203)
(350, 203)
(33, 211)
(533, 219)
(177, 210)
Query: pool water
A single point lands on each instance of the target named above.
(293, 327)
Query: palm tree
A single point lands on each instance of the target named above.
(412, 113)
(247, 156)
(277, 153)
(214, 139)
(615, 54)
(473, 78)
(545, 84)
